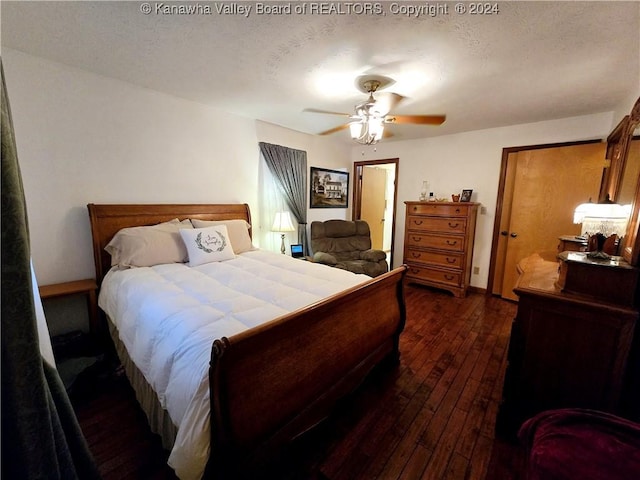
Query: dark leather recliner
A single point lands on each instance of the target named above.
(347, 244)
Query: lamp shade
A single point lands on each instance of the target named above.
(282, 223)
(355, 129)
(605, 218)
(368, 130)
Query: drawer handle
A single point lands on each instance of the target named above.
(415, 271)
(458, 210)
(416, 239)
(418, 222)
(453, 225)
(452, 243)
(415, 209)
(451, 260)
(449, 277)
(415, 254)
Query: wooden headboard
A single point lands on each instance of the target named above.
(107, 220)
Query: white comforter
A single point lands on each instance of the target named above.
(168, 316)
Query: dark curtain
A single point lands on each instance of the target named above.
(41, 437)
(289, 167)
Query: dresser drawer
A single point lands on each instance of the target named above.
(437, 224)
(429, 240)
(434, 275)
(449, 260)
(438, 209)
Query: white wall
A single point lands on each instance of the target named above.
(86, 138)
(471, 160)
(624, 108)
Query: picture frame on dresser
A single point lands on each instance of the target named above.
(466, 195)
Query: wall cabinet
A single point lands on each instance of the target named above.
(438, 244)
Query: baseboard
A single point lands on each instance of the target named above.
(477, 290)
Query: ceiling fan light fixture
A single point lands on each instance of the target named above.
(366, 125)
(376, 127)
(368, 130)
(355, 128)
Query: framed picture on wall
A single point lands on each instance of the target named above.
(466, 195)
(328, 188)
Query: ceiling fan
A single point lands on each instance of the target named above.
(367, 123)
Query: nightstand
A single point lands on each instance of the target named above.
(87, 287)
(571, 243)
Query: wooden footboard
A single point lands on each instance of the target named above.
(272, 383)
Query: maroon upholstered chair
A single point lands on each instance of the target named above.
(580, 444)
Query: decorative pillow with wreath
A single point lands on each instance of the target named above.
(238, 232)
(205, 245)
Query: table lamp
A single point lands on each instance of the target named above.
(282, 224)
(602, 225)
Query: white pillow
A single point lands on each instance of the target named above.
(205, 245)
(149, 245)
(238, 232)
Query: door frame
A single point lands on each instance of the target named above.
(506, 151)
(357, 194)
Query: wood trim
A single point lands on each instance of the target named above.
(473, 289)
(612, 176)
(506, 151)
(631, 251)
(357, 194)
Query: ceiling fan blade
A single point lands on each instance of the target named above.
(418, 119)
(315, 110)
(387, 101)
(334, 130)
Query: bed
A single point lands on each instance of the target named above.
(268, 383)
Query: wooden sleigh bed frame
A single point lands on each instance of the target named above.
(273, 382)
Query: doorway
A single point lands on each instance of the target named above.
(374, 200)
(540, 186)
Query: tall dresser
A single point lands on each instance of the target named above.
(438, 244)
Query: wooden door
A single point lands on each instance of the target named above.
(374, 185)
(545, 186)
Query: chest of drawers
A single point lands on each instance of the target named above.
(438, 244)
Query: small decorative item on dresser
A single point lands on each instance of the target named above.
(466, 195)
(455, 197)
(424, 191)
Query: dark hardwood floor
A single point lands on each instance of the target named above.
(431, 417)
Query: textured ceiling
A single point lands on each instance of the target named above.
(529, 62)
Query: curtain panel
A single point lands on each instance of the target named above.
(289, 168)
(41, 437)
